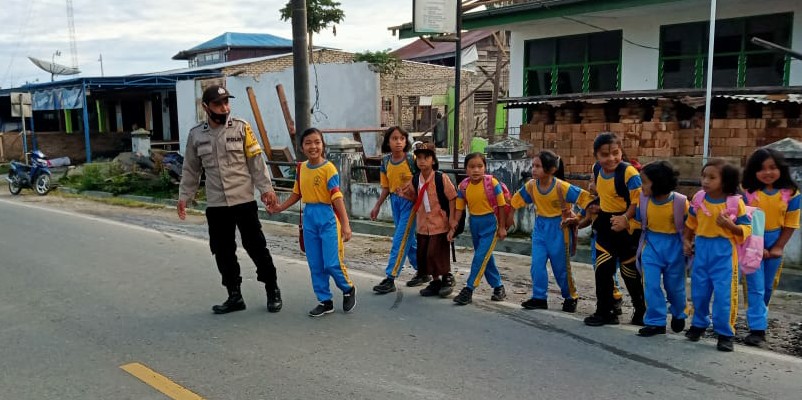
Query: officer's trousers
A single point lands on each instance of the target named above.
(222, 240)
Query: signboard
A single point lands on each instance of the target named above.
(434, 16)
(20, 103)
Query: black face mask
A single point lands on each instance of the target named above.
(219, 119)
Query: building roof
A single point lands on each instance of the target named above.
(420, 51)
(531, 11)
(237, 39)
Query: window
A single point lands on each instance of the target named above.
(387, 104)
(736, 62)
(573, 64)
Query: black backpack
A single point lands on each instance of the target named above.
(443, 200)
(620, 184)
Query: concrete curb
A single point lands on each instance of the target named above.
(791, 277)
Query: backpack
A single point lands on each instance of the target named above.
(785, 195)
(679, 222)
(413, 168)
(750, 252)
(621, 188)
(441, 198)
(490, 192)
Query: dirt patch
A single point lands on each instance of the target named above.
(369, 253)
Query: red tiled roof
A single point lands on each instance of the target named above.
(418, 49)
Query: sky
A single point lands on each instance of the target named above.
(138, 36)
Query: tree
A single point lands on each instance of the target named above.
(382, 61)
(320, 14)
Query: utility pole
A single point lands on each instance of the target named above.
(457, 79)
(300, 65)
(100, 59)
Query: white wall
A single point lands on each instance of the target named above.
(349, 98)
(642, 25)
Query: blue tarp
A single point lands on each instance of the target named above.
(58, 99)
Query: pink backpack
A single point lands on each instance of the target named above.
(750, 252)
(785, 195)
(490, 192)
(679, 221)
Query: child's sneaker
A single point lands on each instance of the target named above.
(599, 319)
(385, 286)
(650, 330)
(755, 338)
(694, 333)
(323, 308)
(536, 304)
(447, 287)
(433, 289)
(725, 343)
(569, 305)
(677, 324)
(418, 280)
(464, 297)
(349, 300)
(499, 294)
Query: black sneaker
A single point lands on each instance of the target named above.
(536, 304)
(233, 303)
(755, 338)
(694, 334)
(432, 289)
(418, 280)
(649, 330)
(617, 306)
(677, 324)
(447, 286)
(499, 294)
(323, 308)
(349, 300)
(569, 305)
(274, 302)
(637, 318)
(464, 297)
(725, 343)
(599, 320)
(385, 286)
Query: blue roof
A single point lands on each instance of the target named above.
(236, 39)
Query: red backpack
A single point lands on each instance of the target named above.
(490, 192)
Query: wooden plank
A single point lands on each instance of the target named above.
(285, 109)
(257, 115)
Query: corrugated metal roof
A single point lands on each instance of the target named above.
(419, 50)
(237, 39)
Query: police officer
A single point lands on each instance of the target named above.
(227, 150)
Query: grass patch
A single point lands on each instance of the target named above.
(4, 168)
(113, 178)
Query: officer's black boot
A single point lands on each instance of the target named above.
(273, 300)
(233, 303)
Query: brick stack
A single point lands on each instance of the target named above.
(593, 114)
(540, 116)
(565, 116)
(632, 113)
(737, 110)
(772, 112)
(664, 111)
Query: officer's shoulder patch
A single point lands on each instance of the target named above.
(252, 148)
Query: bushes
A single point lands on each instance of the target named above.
(113, 178)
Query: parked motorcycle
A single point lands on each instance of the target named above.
(36, 176)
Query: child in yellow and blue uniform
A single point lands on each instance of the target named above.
(661, 251)
(551, 239)
(715, 264)
(768, 185)
(325, 224)
(397, 171)
(485, 227)
(614, 243)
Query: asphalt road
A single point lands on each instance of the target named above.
(82, 296)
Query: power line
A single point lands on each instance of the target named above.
(607, 30)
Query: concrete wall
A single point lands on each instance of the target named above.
(60, 144)
(348, 98)
(642, 25)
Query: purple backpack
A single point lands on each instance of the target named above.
(679, 221)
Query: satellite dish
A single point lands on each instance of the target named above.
(53, 68)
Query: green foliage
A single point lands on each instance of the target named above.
(383, 61)
(112, 178)
(320, 14)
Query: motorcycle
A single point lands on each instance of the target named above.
(36, 176)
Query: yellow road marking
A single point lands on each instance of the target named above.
(159, 382)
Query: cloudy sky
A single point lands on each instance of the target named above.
(142, 35)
